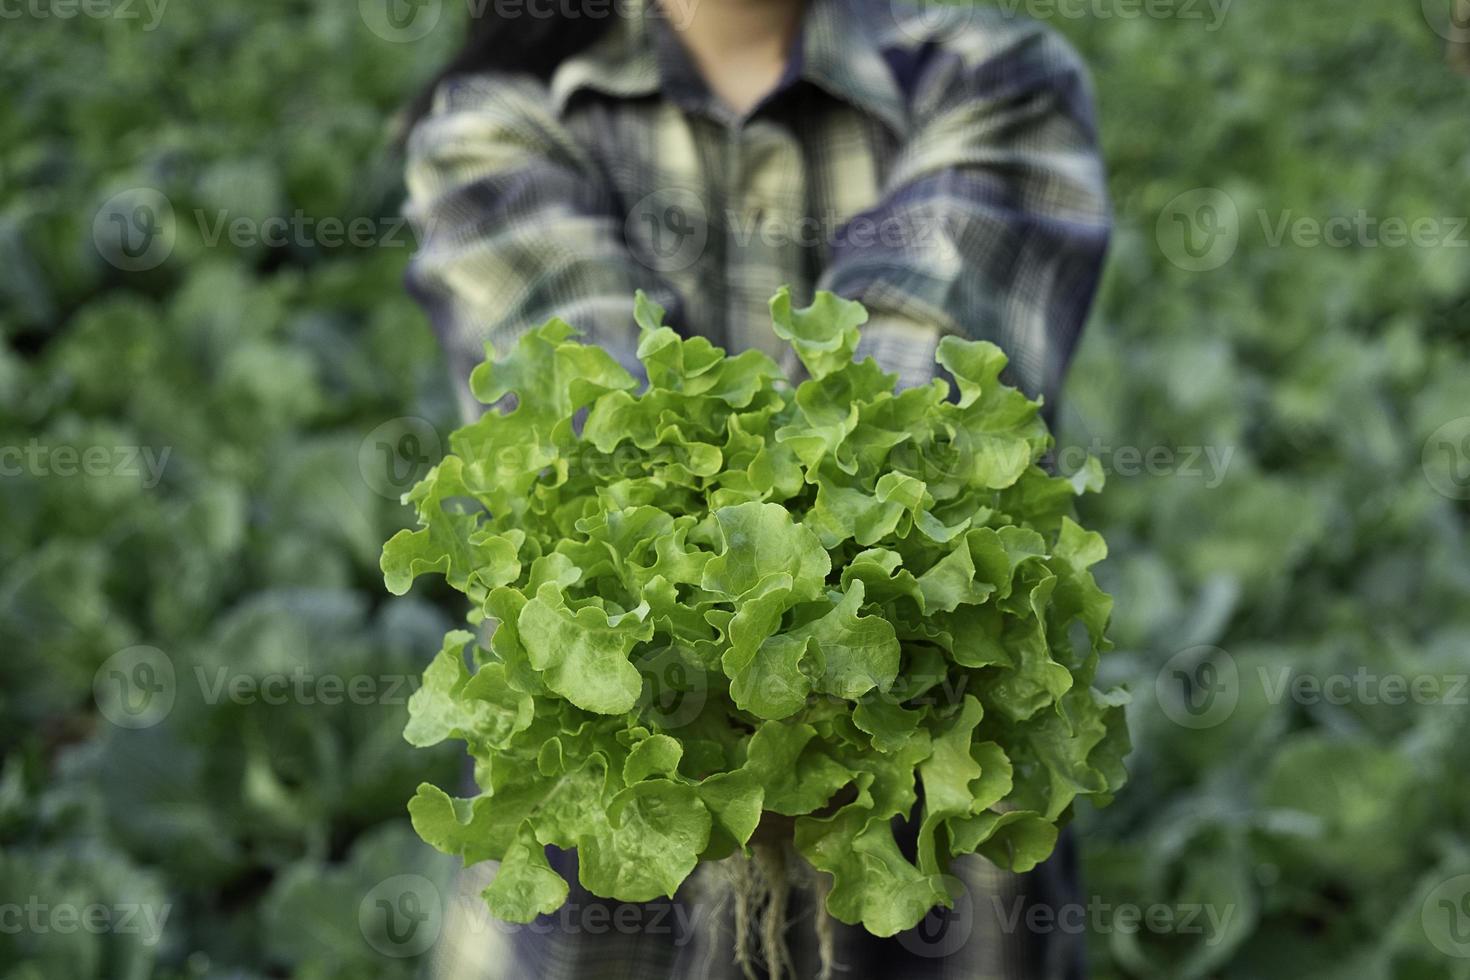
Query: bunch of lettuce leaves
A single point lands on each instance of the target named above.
(718, 596)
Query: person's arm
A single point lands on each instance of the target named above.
(994, 222)
(516, 225)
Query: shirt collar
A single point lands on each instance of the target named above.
(840, 55)
(642, 56)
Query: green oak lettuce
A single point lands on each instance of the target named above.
(720, 595)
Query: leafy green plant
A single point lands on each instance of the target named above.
(722, 597)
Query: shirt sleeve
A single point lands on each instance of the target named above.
(516, 224)
(994, 221)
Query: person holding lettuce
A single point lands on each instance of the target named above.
(939, 165)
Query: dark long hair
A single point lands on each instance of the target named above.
(517, 41)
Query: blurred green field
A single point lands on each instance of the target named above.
(1276, 380)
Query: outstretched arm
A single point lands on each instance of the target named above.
(516, 225)
(994, 221)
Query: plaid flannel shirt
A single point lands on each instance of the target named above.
(942, 170)
(946, 176)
